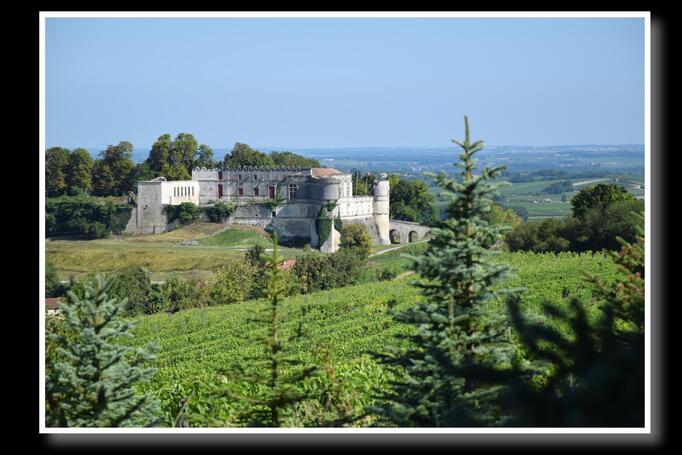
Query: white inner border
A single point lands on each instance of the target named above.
(646, 15)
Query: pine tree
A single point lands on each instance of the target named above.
(280, 387)
(461, 348)
(91, 376)
(595, 378)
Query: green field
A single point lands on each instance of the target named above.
(352, 322)
(163, 255)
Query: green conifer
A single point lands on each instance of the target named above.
(91, 376)
(277, 375)
(461, 349)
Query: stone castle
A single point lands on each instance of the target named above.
(304, 195)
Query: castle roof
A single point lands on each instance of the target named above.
(324, 172)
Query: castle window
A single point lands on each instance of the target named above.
(255, 191)
(239, 176)
(255, 176)
(240, 191)
(293, 188)
(220, 175)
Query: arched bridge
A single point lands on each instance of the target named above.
(406, 231)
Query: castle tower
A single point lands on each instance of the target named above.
(381, 207)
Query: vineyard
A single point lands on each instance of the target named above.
(350, 323)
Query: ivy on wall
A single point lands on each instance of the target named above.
(323, 225)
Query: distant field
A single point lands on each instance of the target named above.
(162, 254)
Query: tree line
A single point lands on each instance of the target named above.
(114, 173)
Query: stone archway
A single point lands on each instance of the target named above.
(394, 236)
(412, 236)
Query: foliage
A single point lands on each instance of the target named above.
(130, 283)
(449, 374)
(598, 228)
(323, 226)
(316, 271)
(53, 286)
(175, 158)
(176, 295)
(112, 171)
(564, 186)
(56, 161)
(219, 212)
(244, 155)
(504, 217)
(290, 159)
(78, 173)
(410, 200)
(599, 196)
(92, 376)
(184, 213)
(231, 283)
(356, 236)
(538, 236)
(585, 385)
(276, 391)
(85, 216)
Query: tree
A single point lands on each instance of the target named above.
(183, 151)
(357, 237)
(292, 159)
(204, 157)
(501, 216)
(279, 378)
(243, 155)
(599, 196)
(79, 171)
(160, 153)
(449, 376)
(56, 162)
(410, 200)
(91, 378)
(103, 179)
(112, 172)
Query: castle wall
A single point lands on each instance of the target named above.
(150, 216)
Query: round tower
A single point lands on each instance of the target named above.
(381, 208)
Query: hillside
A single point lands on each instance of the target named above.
(351, 322)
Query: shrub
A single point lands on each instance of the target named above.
(356, 236)
(94, 217)
(231, 283)
(179, 295)
(53, 287)
(316, 271)
(131, 283)
(219, 212)
(184, 213)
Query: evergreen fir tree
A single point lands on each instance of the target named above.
(91, 376)
(461, 348)
(280, 388)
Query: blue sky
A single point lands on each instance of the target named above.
(305, 83)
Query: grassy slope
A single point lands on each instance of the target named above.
(162, 254)
(351, 322)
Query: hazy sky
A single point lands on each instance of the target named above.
(344, 82)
